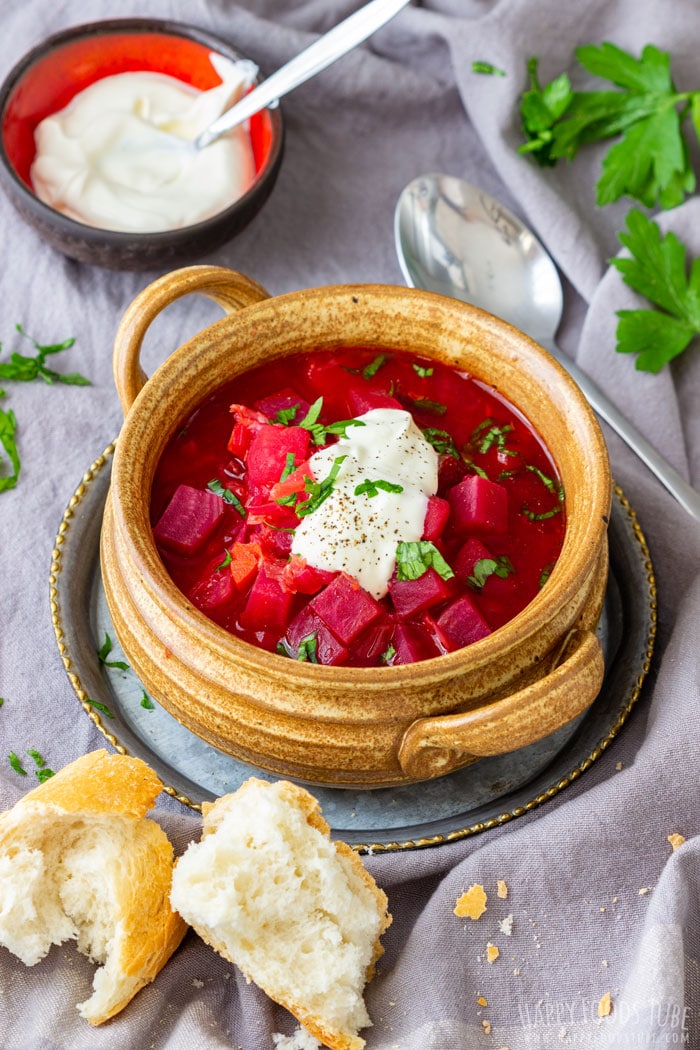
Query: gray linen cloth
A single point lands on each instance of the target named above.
(600, 902)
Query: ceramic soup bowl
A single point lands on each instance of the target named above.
(353, 726)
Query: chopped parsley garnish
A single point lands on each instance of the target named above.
(488, 435)
(227, 496)
(42, 770)
(225, 563)
(44, 774)
(99, 707)
(484, 568)
(442, 442)
(320, 490)
(414, 559)
(373, 367)
(104, 651)
(422, 370)
(307, 650)
(657, 269)
(545, 574)
(542, 515)
(286, 415)
(549, 483)
(388, 654)
(371, 488)
(470, 465)
(318, 431)
(16, 764)
(487, 68)
(23, 369)
(424, 404)
(146, 702)
(38, 759)
(289, 465)
(8, 426)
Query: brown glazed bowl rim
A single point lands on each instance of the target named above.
(97, 236)
(570, 572)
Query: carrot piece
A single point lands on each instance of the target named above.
(245, 558)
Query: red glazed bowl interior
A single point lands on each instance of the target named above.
(46, 79)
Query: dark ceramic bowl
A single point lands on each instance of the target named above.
(48, 77)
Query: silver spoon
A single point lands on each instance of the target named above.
(312, 60)
(453, 238)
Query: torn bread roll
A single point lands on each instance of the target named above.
(298, 913)
(78, 861)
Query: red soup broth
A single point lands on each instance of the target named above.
(230, 481)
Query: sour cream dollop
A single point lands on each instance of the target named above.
(359, 533)
(119, 156)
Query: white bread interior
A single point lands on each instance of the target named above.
(78, 860)
(298, 913)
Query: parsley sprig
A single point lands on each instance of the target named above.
(371, 488)
(657, 269)
(319, 432)
(8, 426)
(319, 490)
(650, 162)
(414, 559)
(23, 369)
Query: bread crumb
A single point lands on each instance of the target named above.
(481, 1001)
(603, 908)
(486, 1025)
(605, 963)
(644, 890)
(492, 952)
(618, 767)
(615, 900)
(676, 840)
(196, 983)
(502, 890)
(472, 904)
(301, 1040)
(516, 972)
(506, 925)
(605, 1006)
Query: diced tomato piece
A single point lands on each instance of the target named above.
(461, 623)
(435, 518)
(479, 505)
(269, 606)
(245, 558)
(364, 399)
(412, 642)
(346, 608)
(282, 401)
(269, 448)
(247, 422)
(293, 483)
(413, 596)
(239, 442)
(301, 578)
(307, 624)
(188, 520)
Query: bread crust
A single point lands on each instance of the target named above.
(113, 792)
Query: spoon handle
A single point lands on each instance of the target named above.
(684, 493)
(312, 60)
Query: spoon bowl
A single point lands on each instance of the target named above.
(455, 239)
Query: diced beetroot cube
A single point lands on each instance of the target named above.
(189, 519)
(282, 401)
(372, 644)
(412, 643)
(479, 505)
(273, 541)
(461, 623)
(268, 606)
(213, 591)
(412, 596)
(322, 376)
(468, 555)
(346, 608)
(269, 448)
(435, 518)
(301, 578)
(363, 399)
(328, 649)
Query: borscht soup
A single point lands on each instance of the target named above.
(358, 507)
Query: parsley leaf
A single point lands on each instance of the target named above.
(227, 496)
(414, 559)
(318, 431)
(286, 416)
(307, 651)
(8, 426)
(373, 367)
(320, 490)
(656, 268)
(16, 764)
(146, 702)
(371, 488)
(104, 651)
(650, 163)
(500, 566)
(442, 442)
(23, 369)
(99, 707)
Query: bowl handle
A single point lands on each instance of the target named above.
(433, 746)
(231, 290)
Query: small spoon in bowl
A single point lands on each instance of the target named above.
(455, 239)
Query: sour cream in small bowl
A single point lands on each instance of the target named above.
(96, 130)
